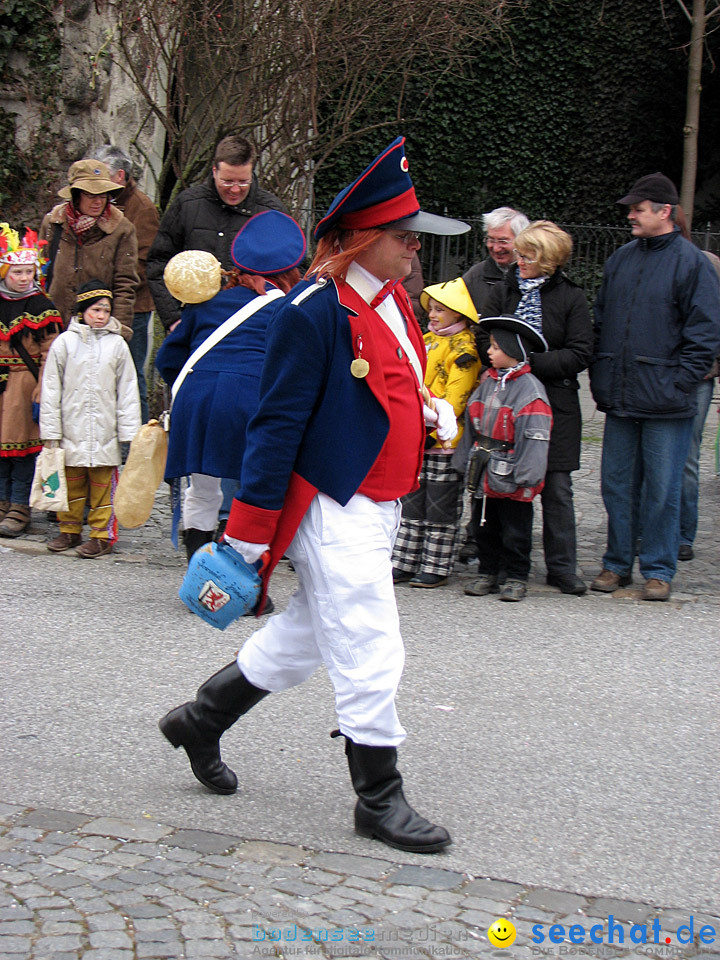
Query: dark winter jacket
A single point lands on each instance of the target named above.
(567, 327)
(657, 328)
(481, 280)
(200, 220)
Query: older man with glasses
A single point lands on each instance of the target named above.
(207, 216)
(501, 226)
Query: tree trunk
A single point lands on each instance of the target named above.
(692, 110)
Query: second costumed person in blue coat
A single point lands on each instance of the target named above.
(337, 440)
(215, 395)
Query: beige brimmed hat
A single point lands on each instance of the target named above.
(453, 294)
(92, 176)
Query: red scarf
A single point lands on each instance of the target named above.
(80, 223)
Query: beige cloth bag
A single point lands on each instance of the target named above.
(141, 475)
(49, 488)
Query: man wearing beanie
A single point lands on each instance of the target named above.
(337, 440)
(657, 332)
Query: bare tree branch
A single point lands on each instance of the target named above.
(298, 76)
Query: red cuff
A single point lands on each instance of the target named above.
(252, 524)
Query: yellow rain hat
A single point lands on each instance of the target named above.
(452, 294)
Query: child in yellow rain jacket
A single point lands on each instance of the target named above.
(425, 547)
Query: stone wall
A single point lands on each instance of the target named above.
(96, 102)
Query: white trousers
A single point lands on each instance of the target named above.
(343, 614)
(201, 503)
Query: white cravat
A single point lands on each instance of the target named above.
(367, 285)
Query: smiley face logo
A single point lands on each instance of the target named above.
(501, 933)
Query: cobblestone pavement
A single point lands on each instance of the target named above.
(73, 886)
(101, 889)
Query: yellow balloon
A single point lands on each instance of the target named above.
(193, 276)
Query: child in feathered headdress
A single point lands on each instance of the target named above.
(28, 324)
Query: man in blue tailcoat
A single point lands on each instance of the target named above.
(337, 439)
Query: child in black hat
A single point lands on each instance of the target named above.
(506, 440)
(90, 405)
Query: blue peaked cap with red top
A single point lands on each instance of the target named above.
(382, 196)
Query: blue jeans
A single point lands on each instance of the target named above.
(229, 488)
(641, 477)
(16, 477)
(140, 350)
(691, 474)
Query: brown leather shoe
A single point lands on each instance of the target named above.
(94, 548)
(608, 581)
(15, 521)
(63, 541)
(655, 589)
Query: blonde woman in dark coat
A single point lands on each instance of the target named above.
(537, 290)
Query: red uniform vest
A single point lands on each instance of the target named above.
(395, 472)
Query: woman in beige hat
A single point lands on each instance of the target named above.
(90, 239)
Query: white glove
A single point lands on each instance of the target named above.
(250, 552)
(446, 420)
(431, 418)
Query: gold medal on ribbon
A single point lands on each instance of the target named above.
(359, 368)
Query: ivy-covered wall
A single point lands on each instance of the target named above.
(559, 117)
(30, 53)
(582, 98)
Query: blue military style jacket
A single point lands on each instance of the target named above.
(216, 401)
(319, 427)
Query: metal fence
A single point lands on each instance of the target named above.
(446, 257)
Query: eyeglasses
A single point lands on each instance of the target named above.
(407, 238)
(523, 257)
(234, 183)
(491, 241)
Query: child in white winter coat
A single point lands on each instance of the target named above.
(90, 405)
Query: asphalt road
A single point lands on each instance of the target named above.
(566, 742)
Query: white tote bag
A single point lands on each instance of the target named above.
(49, 488)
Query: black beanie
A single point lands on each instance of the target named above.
(89, 293)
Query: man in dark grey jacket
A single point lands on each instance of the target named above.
(657, 333)
(207, 216)
(501, 226)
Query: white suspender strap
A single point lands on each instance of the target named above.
(222, 331)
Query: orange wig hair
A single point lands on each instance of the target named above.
(337, 250)
(285, 281)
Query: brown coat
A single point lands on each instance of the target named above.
(108, 253)
(34, 322)
(143, 215)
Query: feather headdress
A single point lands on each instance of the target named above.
(15, 252)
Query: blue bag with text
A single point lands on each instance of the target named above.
(219, 585)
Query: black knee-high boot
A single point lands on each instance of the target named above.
(198, 725)
(194, 539)
(382, 812)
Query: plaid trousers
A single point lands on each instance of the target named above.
(429, 531)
